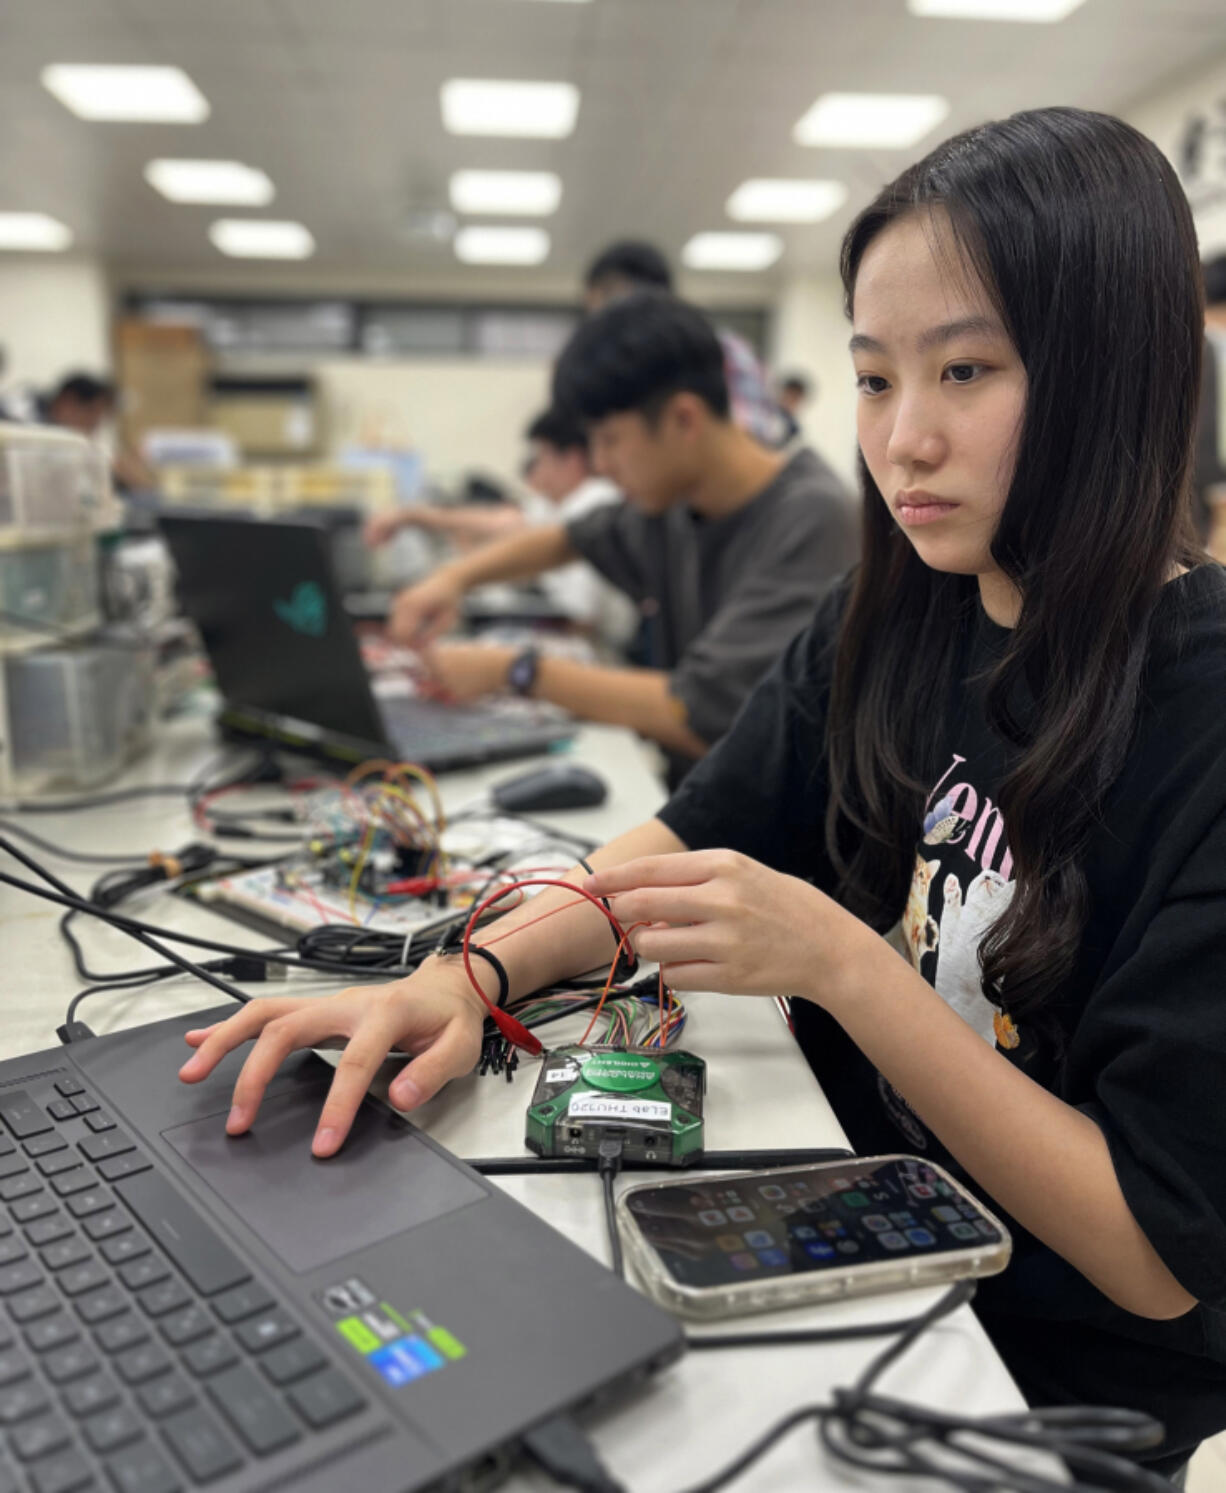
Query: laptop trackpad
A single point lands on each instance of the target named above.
(309, 1212)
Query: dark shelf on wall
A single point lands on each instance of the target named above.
(348, 327)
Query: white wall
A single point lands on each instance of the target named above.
(810, 335)
(462, 414)
(54, 317)
(1166, 116)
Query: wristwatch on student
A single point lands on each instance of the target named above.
(521, 676)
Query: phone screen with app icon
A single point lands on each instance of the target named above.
(718, 1232)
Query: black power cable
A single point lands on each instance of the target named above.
(866, 1430)
(74, 1005)
(62, 852)
(715, 1161)
(100, 800)
(610, 1163)
(135, 926)
(240, 963)
(876, 1433)
(117, 885)
(329, 949)
(186, 965)
(234, 824)
(111, 889)
(870, 1432)
(253, 970)
(561, 1448)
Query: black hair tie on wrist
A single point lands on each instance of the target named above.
(496, 964)
(627, 960)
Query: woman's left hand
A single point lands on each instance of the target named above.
(721, 921)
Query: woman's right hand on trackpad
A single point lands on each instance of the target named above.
(434, 1016)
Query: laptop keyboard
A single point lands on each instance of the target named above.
(430, 732)
(137, 1352)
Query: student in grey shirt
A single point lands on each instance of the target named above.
(723, 596)
(726, 546)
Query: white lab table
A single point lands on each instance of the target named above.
(707, 1408)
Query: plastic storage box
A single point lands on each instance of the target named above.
(68, 716)
(76, 715)
(55, 497)
(48, 589)
(51, 480)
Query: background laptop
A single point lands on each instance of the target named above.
(270, 613)
(185, 1309)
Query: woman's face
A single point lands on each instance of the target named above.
(942, 395)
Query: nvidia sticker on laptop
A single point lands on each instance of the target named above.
(401, 1348)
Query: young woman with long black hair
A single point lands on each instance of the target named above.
(999, 749)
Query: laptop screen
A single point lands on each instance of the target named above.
(270, 614)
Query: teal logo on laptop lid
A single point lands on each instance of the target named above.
(306, 611)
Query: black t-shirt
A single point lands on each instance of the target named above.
(1142, 1019)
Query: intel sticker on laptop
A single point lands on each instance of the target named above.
(401, 1348)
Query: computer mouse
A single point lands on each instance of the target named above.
(564, 786)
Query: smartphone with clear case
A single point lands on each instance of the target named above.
(723, 1246)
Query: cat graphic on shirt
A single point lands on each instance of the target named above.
(964, 922)
(919, 930)
(965, 919)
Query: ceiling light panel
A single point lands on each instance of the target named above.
(774, 200)
(884, 120)
(161, 95)
(478, 245)
(517, 193)
(218, 182)
(995, 10)
(732, 251)
(262, 238)
(542, 111)
(33, 232)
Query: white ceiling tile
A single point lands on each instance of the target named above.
(681, 101)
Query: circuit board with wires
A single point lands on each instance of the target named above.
(378, 852)
(299, 895)
(380, 880)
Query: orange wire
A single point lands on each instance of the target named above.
(385, 802)
(400, 770)
(608, 984)
(514, 1031)
(612, 975)
(364, 769)
(604, 994)
(666, 1019)
(540, 918)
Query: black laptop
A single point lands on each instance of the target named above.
(265, 599)
(181, 1309)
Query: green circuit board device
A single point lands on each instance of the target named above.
(649, 1100)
